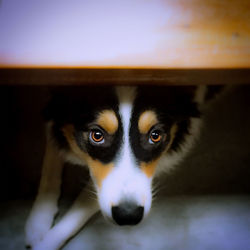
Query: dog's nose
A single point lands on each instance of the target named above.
(127, 213)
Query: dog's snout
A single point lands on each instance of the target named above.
(127, 213)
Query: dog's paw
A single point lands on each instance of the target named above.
(46, 245)
(53, 240)
(39, 222)
(35, 230)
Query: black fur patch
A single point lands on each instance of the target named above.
(173, 105)
(79, 107)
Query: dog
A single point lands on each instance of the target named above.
(125, 136)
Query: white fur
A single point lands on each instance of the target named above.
(38, 231)
(125, 182)
(83, 208)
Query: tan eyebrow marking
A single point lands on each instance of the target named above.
(146, 121)
(107, 120)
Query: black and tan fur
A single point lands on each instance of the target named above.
(125, 136)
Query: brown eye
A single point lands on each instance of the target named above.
(155, 137)
(97, 136)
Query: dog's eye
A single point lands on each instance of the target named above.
(96, 136)
(155, 137)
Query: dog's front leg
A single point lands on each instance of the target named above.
(82, 210)
(45, 206)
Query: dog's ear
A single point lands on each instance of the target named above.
(52, 111)
(181, 105)
(57, 107)
(78, 104)
(183, 110)
(186, 107)
(65, 105)
(174, 103)
(213, 91)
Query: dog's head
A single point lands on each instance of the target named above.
(122, 135)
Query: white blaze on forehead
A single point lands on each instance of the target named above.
(126, 96)
(126, 181)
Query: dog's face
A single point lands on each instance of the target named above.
(122, 135)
